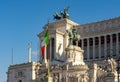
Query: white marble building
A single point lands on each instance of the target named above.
(100, 42)
(103, 38)
(93, 61)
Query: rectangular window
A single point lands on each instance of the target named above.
(20, 74)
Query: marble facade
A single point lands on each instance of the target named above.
(94, 60)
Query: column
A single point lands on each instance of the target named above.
(66, 76)
(82, 43)
(60, 77)
(88, 54)
(117, 44)
(99, 47)
(105, 45)
(111, 46)
(93, 48)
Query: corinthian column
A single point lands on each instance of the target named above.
(99, 47)
(105, 45)
(82, 44)
(88, 51)
(117, 45)
(93, 47)
(111, 42)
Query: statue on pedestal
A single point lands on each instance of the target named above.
(73, 36)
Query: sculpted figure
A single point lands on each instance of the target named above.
(56, 78)
(112, 65)
(57, 16)
(63, 14)
(85, 78)
(70, 36)
(73, 36)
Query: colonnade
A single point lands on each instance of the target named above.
(101, 47)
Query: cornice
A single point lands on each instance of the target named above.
(86, 29)
(62, 22)
(23, 65)
(100, 33)
(71, 22)
(108, 21)
(57, 24)
(40, 35)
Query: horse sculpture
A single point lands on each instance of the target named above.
(62, 15)
(73, 36)
(57, 16)
(65, 14)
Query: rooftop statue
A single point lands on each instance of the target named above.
(63, 14)
(57, 16)
(73, 36)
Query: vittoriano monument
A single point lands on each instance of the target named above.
(72, 52)
(63, 14)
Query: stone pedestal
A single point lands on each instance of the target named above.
(74, 55)
(77, 69)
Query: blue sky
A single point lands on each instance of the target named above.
(22, 20)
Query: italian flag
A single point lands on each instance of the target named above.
(45, 42)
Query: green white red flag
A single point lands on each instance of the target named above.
(45, 42)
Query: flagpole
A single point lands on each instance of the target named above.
(45, 55)
(44, 52)
(49, 72)
(47, 65)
